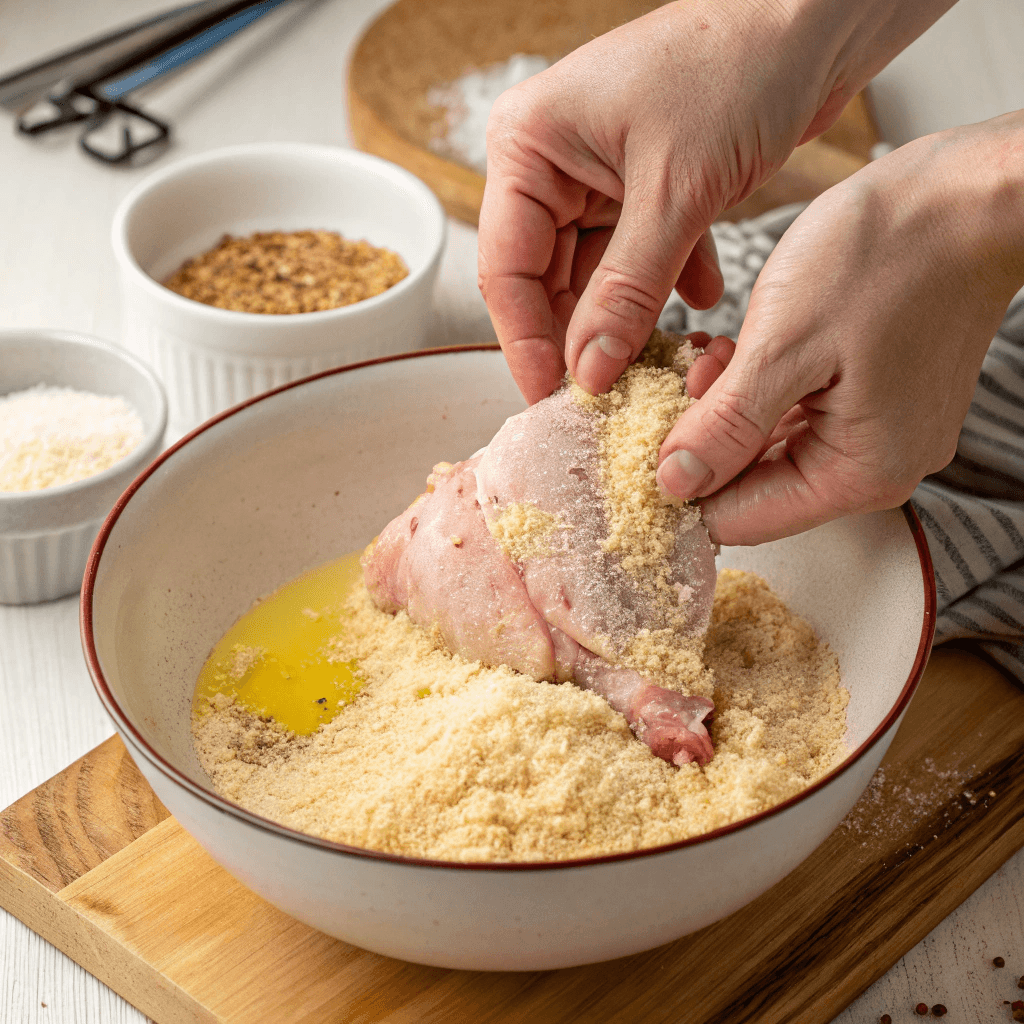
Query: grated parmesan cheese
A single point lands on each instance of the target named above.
(51, 436)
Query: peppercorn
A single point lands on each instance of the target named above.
(885, 1019)
(938, 1010)
(1020, 982)
(1018, 1009)
(999, 962)
(921, 1009)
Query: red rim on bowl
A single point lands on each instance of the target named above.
(140, 744)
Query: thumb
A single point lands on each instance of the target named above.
(727, 429)
(626, 293)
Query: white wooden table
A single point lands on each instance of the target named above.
(283, 80)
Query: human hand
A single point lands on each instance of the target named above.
(862, 343)
(641, 131)
(606, 171)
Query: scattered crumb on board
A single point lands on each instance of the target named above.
(899, 798)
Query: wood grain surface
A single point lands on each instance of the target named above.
(417, 44)
(91, 861)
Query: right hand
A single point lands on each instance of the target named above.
(606, 171)
(862, 343)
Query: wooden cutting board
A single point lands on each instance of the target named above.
(94, 863)
(417, 44)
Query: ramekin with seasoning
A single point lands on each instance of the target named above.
(237, 268)
(79, 417)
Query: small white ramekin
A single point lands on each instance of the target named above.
(45, 535)
(211, 358)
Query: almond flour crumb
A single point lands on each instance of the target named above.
(287, 272)
(633, 419)
(243, 659)
(676, 662)
(525, 531)
(445, 758)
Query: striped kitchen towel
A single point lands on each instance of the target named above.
(973, 511)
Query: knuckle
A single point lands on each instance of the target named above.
(507, 109)
(516, 108)
(731, 423)
(624, 296)
(483, 270)
(897, 495)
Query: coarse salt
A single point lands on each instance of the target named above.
(51, 436)
(468, 102)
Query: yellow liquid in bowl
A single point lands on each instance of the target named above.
(274, 661)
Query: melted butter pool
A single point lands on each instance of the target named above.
(275, 660)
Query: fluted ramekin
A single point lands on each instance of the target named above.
(211, 358)
(45, 535)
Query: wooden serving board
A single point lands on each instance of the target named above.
(94, 863)
(417, 44)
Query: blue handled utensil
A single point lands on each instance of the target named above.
(182, 54)
(111, 53)
(101, 95)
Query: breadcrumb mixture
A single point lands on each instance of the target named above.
(525, 531)
(634, 417)
(243, 658)
(632, 420)
(443, 758)
(287, 272)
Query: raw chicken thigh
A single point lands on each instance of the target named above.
(505, 555)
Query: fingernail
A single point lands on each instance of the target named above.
(615, 348)
(682, 475)
(601, 362)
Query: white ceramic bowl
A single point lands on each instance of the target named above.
(45, 535)
(313, 471)
(211, 358)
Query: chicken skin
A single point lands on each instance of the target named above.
(553, 604)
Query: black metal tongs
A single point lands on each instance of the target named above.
(90, 81)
